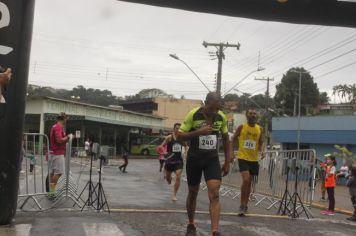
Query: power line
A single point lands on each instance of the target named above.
(327, 61)
(333, 59)
(318, 54)
(279, 46)
(335, 70)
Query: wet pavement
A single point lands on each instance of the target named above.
(141, 205)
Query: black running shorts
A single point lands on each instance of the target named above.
(252, 166)
(196, 166)
(173, 167)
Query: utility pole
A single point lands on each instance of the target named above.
(267, 106)
(220, 47)
(300, 72)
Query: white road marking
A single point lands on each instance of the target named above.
(331, 233)
(17, 230)
(102, 229)
(331, 221)
(262, 231)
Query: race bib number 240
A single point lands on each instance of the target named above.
(207, 142)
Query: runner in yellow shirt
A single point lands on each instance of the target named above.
(249, 139)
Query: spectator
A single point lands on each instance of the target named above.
(58, 140)
(352, 188)
(5, 77)
(343, 173)
(125, 156)
(161, 151)
(330, 183)
(87, 147)
(323, 166)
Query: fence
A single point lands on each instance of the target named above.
(34, 176)
(34, 170)
(269, 187)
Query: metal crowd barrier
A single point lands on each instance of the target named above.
(78, 152)
(66, 186)
(268, 189)
(34, 177)
(34, 170)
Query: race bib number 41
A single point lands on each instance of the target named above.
(207, 142)
(250, 144)
(177, 147)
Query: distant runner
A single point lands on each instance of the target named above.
(202, 127)
(250, 141)
(161, 151)
(174, 159)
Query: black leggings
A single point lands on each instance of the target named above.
(331, 196)
(126, 162)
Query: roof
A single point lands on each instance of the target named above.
(156, 99)
(320, 12)
(96, 106)
(134, 101)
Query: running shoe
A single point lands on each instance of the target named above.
(242, 211)
(325, 212)
(191, 230)
(51, 196)
(330, 213)
(174, 198)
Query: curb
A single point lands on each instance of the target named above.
(337, 210)
(177, 211)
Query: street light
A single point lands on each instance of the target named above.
(174, 56)
(275, 112)
(244, 78)
(299, 103)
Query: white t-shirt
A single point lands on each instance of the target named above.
(344, 170)
(87, 144)
(332, 170)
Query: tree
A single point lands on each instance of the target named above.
(324, 98)
(231, 97)
(80, 94)
(154, 92)
(346, 91)
(286, 97)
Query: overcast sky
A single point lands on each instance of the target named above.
(124, 47)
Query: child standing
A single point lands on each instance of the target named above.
(352, 187)
(330, 183)
(323, 166)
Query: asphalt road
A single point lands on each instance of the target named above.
(141, 205)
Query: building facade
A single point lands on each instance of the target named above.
(321, 133)
(171, 109)
(104, 125)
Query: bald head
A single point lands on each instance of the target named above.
(212, 102)
(212, 97)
